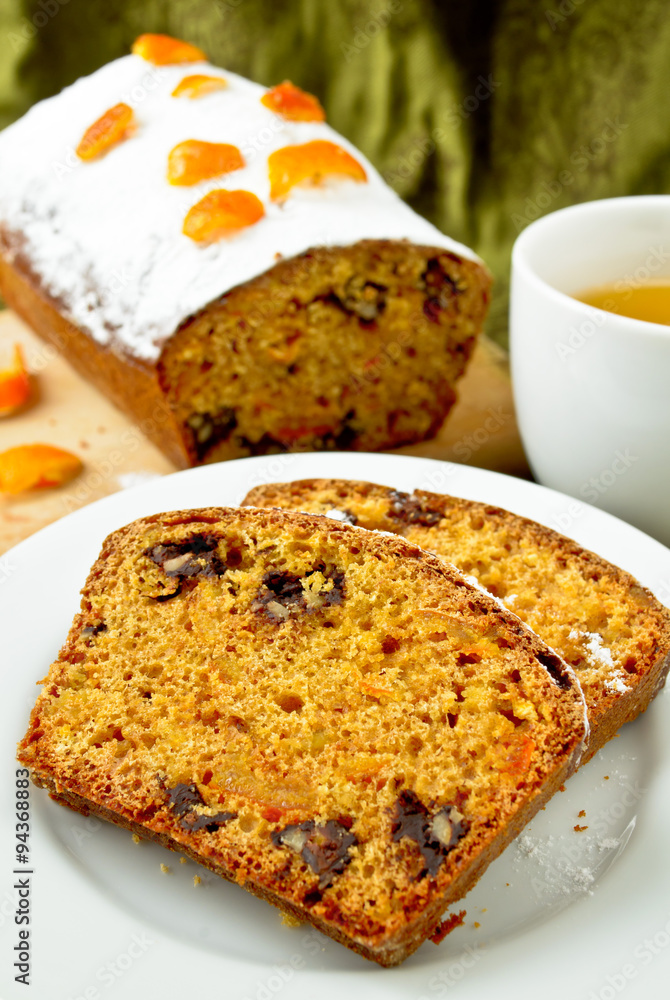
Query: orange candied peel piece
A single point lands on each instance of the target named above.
(310, 163)
(192, 161)
(35, 466)
(516, 755)
(294, 104)
(14, 384)
(198, 85)
(375, 691)
(115, 125)
(221, 213)
(162, 50)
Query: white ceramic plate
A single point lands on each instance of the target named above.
(562, 914)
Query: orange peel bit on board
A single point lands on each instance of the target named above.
(192, 161)
(199, 85)
(163, 50)
(14, 384)
(310, 163)
(115, 125)
(293, 104)
(221, 213)
(36, 466)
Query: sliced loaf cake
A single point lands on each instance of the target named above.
(331, 717)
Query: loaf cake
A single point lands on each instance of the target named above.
(599, 619)
(228, 269)
(330, 717)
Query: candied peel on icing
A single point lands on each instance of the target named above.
(199, 85)
(221, 213)
(293, 104)
(192, 161)
(163, 50)
(115, 125)
(310, 163)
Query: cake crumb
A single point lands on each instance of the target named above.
(476, 925)
(579, 829)
(136, 838)
(447, 926)
(582, 812)
(183, 861)
(196, 880)
(562, 788)
(606, 778)
(165, 869)
(288, 920)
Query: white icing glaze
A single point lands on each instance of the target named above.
(105, 236)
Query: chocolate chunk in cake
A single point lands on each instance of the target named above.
(324, 847)
(435, 833)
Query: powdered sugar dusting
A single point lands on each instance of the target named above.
(599, 652)
(105, 237)
(594, 645)
(339, 515)
(555, 873)
(617, 683)
(608, 844)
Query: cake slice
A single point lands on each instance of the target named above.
(599, 619)
(331, 717)
(230, 271)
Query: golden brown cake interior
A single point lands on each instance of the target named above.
(329, 716)
(612, 631)
(348, 347)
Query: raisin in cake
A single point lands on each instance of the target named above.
(228, 269)
(332, 718)
(613, 631)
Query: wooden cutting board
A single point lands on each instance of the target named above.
(67, 411)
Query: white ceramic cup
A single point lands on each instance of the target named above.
(592, 388)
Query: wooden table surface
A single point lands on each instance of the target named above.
(67, 411)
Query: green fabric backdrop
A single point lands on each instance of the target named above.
(482, 115)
